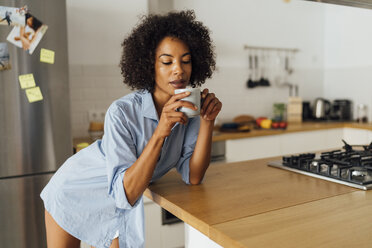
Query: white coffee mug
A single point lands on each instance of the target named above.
(194, 98)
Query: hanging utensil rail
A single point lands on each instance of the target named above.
(246, 47)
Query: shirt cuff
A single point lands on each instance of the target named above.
(185, 171)
(119, 195)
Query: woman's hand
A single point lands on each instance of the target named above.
(211, 106)
(170, 116)
(22, 36)
(25, 43)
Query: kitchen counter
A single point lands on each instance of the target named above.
(292, 127)
(249, 204)
(300, 127)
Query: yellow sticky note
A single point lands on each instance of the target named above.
(34, 94)
(27, 81)
(47, 56)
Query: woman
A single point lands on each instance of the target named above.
(96, 196)
(34, 27)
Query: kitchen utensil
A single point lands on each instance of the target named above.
(250, 82)
(287, 65)
(263, 81)
(321, 109)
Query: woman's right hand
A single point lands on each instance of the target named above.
(170, 116)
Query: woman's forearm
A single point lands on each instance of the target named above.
(138, 176)
(201, 156)
(34, 36)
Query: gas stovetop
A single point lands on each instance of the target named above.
(352, 165)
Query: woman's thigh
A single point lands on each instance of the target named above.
(56, 236)
(115, 243)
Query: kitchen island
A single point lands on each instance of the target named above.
(249, 204)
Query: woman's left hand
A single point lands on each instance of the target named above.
(211, 106)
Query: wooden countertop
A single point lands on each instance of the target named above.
(292, 127)
(249, 204)
(300, 127)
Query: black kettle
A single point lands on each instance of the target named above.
(321, 109)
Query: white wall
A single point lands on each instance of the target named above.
(271, 23)
(96, 30)
(348, 55)
(334, 59)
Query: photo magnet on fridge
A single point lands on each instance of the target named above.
(29, 35)
(4, 57)
(12, 16)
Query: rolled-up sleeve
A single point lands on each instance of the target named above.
(120, 151)
(191, 135)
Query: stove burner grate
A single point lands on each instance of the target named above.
(352, 164)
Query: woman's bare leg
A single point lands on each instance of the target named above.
(115, 243)
(56, 236)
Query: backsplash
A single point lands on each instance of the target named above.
(354, 83)
(92, 87)
(95, 87)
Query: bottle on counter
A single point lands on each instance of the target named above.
(362, 113)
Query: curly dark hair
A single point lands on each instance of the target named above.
(138, 58)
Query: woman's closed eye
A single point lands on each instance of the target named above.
(170, 62)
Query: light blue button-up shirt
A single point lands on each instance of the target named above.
(86, 196)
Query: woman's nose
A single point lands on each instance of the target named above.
(177, 68)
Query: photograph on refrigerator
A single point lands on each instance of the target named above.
(29, 35)
(4, 57)
(12, 16)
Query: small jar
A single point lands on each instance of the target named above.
(278, 111)
(362, 113)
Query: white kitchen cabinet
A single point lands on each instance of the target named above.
(355, 136)
(291, 143)
(173, 235)
(301, 142)
(158, 235)
(194, 238)
(152, 223)
(334, 138)
(252, 148)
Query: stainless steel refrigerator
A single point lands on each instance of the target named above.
(35, 138)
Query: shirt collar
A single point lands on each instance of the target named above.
(148, 106)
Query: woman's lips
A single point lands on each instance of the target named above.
(178, 84)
